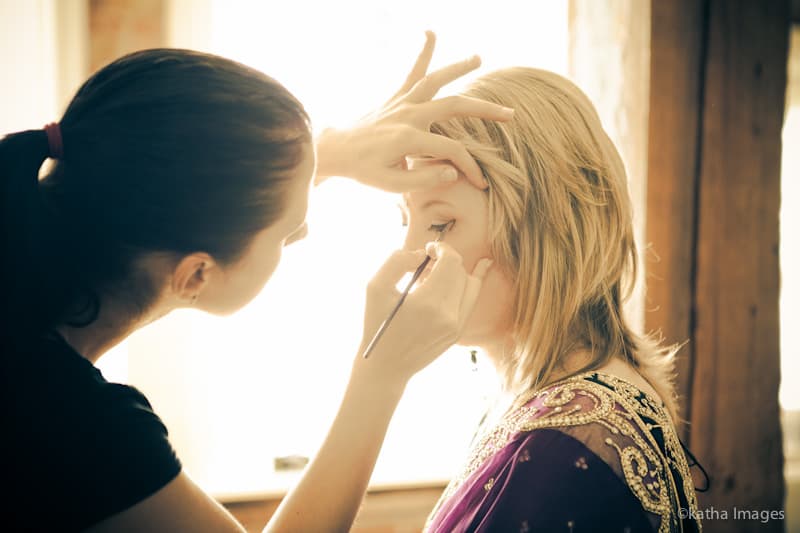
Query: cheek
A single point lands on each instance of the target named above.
(264, 268)
(470, 252)
(249, 282)
(471, 248)
(492, 314)
(416, 237)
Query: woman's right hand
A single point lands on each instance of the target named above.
(430, 320)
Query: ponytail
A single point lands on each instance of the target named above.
(21, 156)
(40, 273)
(162, 151)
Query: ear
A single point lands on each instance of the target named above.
(191, 275)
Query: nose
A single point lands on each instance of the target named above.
(416, 239)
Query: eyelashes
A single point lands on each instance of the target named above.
(439, 227)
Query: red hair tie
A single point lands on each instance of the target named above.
(53, 131)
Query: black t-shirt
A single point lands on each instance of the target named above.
(75, 449)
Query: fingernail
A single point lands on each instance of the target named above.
(449, 174)
(484, 266)
(431, 248)
(508, 111)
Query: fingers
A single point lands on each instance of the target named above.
(426, 88)
(441, 147)
(472, 289)
(447, 276)
(447, 279)
(421, 66)
(399, 263)
(462, 106)
(450, 284)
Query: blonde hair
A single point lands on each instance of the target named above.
(560, 224)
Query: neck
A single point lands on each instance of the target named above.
(112, 326)
(498, 350)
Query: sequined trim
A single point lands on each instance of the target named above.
(645, 466)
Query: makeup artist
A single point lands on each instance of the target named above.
(178, 179)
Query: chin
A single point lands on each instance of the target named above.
(222, 310)
(471, 337)
(485, 330)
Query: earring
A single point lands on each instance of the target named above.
(473, 356)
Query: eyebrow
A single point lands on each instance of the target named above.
(427, 204)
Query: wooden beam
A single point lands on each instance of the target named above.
(118, 27)
(717, 87)
(735, 413)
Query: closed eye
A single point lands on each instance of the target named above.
(439, 228)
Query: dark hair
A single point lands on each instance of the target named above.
(164, 150)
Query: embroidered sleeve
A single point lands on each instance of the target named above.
(583, 421)
(553, 482)
(633, 435)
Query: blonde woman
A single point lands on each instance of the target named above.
(589, 441)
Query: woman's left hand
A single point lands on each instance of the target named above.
(374, 151)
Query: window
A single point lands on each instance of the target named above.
(237, 392)
(789, 243)
(790, 286)
(31, 99)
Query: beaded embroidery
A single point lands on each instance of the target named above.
(645, 466)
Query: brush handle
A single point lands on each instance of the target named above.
(385, 324)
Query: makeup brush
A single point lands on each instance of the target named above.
(414, 278)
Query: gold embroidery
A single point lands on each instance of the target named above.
(644, 465)
(489, 484)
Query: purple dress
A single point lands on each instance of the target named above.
(591, 453)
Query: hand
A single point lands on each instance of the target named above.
(430, 320)
(374, 151)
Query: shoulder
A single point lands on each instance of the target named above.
(542, 480)
(582, 439)
(554, 481)
(87, 447)
(630, 431)
(52, 387)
